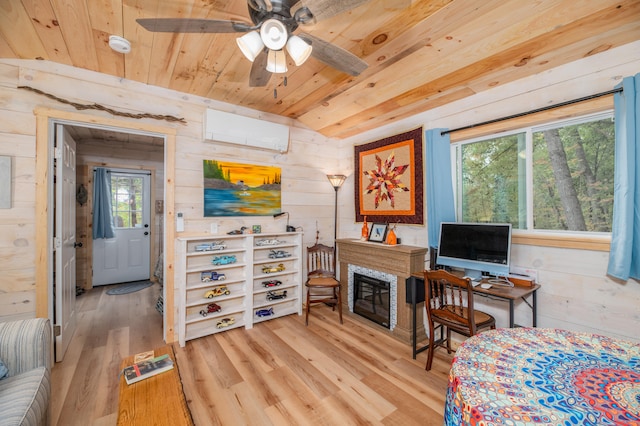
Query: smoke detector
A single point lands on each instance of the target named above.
(119, 44)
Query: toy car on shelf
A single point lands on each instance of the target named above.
(224, 260)
(217, 291)
(264, 312)
(211, 307)
(277, 254)
(275, 295)
(268, 269)
(226, 322)
(269, 242)
(208, 276)
(214, 246)
(271, 283)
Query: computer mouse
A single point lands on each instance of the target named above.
(485, 286)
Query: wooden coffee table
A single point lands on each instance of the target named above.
(158, 400)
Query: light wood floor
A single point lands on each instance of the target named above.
(278, 373)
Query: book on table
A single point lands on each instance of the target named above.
(148, 368)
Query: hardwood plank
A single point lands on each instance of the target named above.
(278, 372)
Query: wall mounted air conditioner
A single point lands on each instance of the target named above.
(240, 130)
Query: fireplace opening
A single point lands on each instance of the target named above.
(371, 299)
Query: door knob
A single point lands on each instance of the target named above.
(75, 245)
(146, 225)
(146, 233)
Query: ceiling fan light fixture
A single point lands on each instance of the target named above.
(276, 62)
(274, 34)
(250, 45)
(299, 50)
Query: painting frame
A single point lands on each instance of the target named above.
(404, 203)
(378, 232)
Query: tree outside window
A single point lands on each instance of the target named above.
(564, 184)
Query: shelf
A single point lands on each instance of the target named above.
(243, 279)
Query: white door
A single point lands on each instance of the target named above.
(126, 257)
(65, 239)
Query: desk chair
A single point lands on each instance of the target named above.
(322, 285)
(446, 308)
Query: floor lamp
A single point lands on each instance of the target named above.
(336, 182)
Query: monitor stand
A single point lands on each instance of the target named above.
(474, 274)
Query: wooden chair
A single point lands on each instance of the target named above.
(322, 285)
(449, 307)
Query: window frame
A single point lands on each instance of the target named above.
(591, 111)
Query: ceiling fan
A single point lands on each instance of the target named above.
(272, 30)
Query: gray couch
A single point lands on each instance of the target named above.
(25, 349)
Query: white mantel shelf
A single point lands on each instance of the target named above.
(400, 260)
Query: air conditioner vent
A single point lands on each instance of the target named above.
(236, 129)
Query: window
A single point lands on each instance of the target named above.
(127, 200)
(556, 177)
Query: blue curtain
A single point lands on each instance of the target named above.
(102, 219)
(624, 257)
(440, 204)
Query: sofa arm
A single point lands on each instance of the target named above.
(25, 344)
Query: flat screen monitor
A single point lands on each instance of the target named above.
(478, 248)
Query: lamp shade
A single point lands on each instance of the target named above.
(274, 34)
(250, 45)
(276, 61)
(336, 180)
(299, 50)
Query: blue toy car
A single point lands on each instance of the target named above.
(264, 312)
(224, 260)
(207, 276)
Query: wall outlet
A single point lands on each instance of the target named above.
(521, 270)
(214, 228)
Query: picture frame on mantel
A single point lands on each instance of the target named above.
(378, 232)
(389, 179)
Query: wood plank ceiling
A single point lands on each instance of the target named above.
(421, 53)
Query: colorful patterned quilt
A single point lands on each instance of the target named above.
(533, 376)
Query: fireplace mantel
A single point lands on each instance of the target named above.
(399, 260)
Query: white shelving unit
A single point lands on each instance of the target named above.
(244, 279)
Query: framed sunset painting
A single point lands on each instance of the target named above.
(236, 189)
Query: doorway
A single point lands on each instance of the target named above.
(125, 257)
(46, 120)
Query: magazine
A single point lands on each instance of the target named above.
(142, 370)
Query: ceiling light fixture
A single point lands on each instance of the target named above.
(119, 44)
(274, 34)
(250, 45)
(299, 50)
(276, 62)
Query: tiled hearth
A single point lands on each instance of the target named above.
(395, 263)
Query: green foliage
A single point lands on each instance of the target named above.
(493, 179)
(211, 169)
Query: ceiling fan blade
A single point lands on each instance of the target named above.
(179, 25)
(323, 9)
(334, 56)
(259, 76)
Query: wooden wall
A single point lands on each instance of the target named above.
(576, 293)
(307, 194)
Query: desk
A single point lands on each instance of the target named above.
(415, 295)
(533, 376)
(158, 400)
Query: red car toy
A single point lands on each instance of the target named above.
(271, 283)
(211, 307)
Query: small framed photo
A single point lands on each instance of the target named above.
(378, 232)
(256, 229)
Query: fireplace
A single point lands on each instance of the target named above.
(394, 264)
(372, 299)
